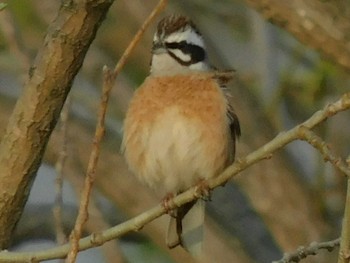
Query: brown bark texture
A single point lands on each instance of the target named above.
(37, 110)
(322, 25)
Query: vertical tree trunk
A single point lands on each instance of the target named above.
(37, 110)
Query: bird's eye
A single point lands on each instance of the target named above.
(177, 45)
(182, 45)
(172, 45)
(197, 53)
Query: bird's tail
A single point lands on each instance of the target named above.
(186, 228)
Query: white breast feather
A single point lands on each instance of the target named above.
(175, 139)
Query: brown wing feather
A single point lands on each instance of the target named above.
(223, 77)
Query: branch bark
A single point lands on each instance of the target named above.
(37, 110)
(322, 25)
(311, 250)
(344, 252)
(140, 221)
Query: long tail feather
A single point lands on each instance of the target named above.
(186, 228)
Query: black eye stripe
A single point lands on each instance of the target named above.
(196, 53)
(177, 45)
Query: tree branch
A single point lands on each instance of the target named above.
(311, 250)
(138, 222)
(108, 81)
(90, 174)
(344, 252)
(12, 36)
(97, 220)
(322, 25)
(314, 140)
(59, 167)
(37, 110)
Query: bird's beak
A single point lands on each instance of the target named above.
(158, 48)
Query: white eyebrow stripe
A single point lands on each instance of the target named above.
(189, 35)
(179, 54)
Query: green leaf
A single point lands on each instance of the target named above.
(2, 6)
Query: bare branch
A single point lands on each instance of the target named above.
(322, 25)
(59, 166)
(96, 221)
(138, 222)
(344, 252)
(90, 176)
(37, 110)
(311, 250)
(309, 136)
(283, 139)
(7, 24)
(137, 37)
(108, 81)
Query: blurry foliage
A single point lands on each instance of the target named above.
(2, 6)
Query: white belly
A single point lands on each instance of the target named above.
(177, 132)
(174, 153)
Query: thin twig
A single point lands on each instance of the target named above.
(62, 155)
(140, 221)
(12, 36)
(90, 175)
(314, 140)
(111, 250)
(108, 81)
(311, 250)
(344, 251)
(160, 6)
(283, 139)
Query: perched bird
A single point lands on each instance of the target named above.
(180, 128)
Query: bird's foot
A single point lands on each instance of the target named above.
(203, 190)
(167, 206)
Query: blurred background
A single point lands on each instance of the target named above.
(277, 205)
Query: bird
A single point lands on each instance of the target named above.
(179, 128)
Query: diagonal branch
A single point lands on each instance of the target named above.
(312, 249)
(314, 140)
(108, 81)
(59, 167)
(138, 222)
(344, 252)
(283, 139)
(37, 110)
(322, 25)
(90, 176)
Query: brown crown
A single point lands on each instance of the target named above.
(174, 23)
